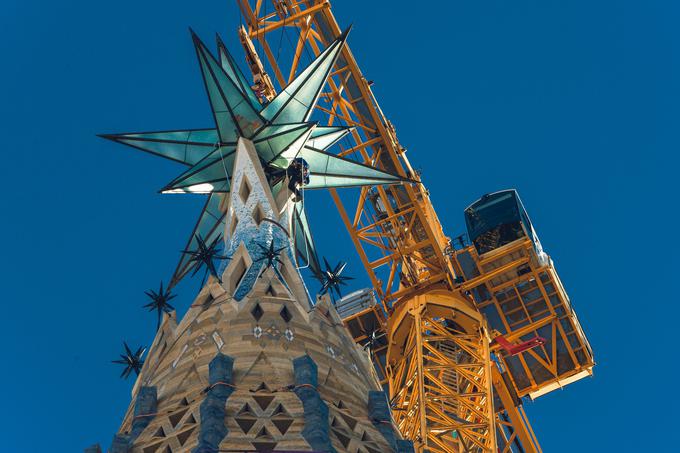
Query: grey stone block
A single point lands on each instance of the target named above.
(213, 407)
(405, 446)
(146, 404)
(380, 415)
(120, 444)
(316, 430)
(306, 371)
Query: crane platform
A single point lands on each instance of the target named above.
(514, 284)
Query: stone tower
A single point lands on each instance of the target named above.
(255, 365)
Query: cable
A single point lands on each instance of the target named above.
(226, 174)
(278, 52)
(302, 189)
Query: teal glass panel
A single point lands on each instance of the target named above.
(295, 102)
(203, 136)
(234, 114)
(325, 137)
(274, 105)
(224, 122)
(294, 110)
(212, 174)
(328, 170)
(187, 147)
(210, 225)
(294, 148)
(304, 242)
(277, 189)
(246, 122)
(274, 129)
(234, 72)
(319, 181)
(287, 142)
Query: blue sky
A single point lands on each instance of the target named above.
(575, 104)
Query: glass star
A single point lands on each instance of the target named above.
(280, 130)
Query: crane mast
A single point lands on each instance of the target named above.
(456, 375)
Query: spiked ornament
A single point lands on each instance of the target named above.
(160, 302)
(373, 340)
(270, 255)
(132, 361)
(205, 256)
(331, 279)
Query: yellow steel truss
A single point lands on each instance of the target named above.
(440, 375)
(437, 358)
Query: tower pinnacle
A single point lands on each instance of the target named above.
(255, 365)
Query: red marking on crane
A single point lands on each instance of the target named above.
(514, 349)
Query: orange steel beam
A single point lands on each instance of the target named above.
(517, 419)
(289, 19)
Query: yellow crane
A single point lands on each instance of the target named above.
(466, 329)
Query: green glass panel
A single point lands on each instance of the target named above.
(325, 137)
(247, 124)
(203, 136)
(283, 144)
(295, 102)
(211, 174)
(317, 181)
(274, 129)
(277, 188)
(294, 110)
(223, 119)
(234, 114)
(274, 106)
(210, 225)
(328, 170)
(304, 242)
(187, 147)
(234, 72)
(293, 150)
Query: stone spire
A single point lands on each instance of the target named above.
(255, 365)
